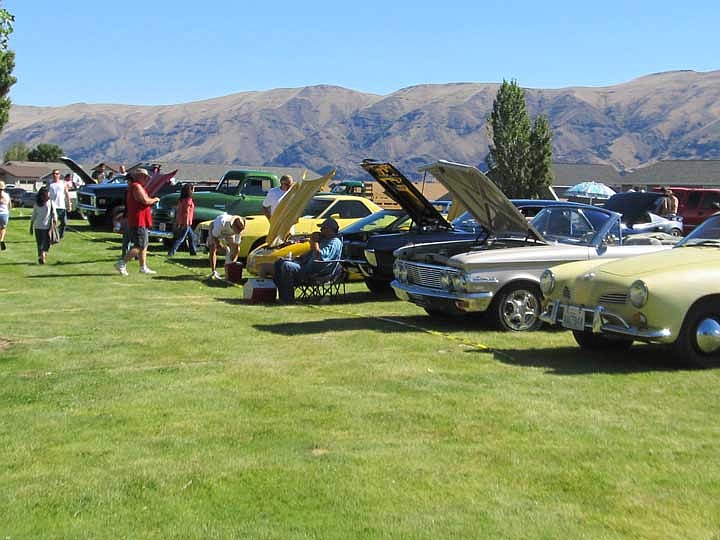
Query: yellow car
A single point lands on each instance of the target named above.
(670, 297)
(345, 209)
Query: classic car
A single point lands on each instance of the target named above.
(500, 273)
(257, 227)
(239, 192)
(672, 297)
(639, 213)
(368, 249)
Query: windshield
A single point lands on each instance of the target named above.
(316, 207)
(706, 234)
(466, 223)
(386, 220)
(571, 225)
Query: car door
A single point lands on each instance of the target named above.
(706, 207)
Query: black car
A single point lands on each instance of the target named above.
(368, 244)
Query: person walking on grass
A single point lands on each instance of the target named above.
(139, 220)
(184, 220)
(60, 197)
(43, 217)
(5, 205)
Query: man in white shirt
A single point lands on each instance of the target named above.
(274, 195)
(60, 197)
(225, 231)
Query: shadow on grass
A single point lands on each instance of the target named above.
(86, 274)
(574, 361)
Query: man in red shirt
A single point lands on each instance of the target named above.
(139, 220)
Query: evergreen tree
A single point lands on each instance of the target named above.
(17, 152)
(540, 161)
(7, 64)
(520, 154)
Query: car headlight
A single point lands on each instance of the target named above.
(445, 281)
(400, 271)
(638, 293)
(172, 212)
(458, 282)
(547, 282)
(370, 257)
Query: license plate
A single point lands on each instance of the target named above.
(161, 226)
(574, 318)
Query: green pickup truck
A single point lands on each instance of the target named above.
(238, 192)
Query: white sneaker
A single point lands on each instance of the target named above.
(146, 270)
(120, 267)
(215, 275)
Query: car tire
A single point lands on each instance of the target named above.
(675, 232)
(597, 342)
(378, 286)
(703, 316)
(516, 308)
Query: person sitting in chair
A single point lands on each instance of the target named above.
(325, 247)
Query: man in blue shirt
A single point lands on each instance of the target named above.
(324, 246)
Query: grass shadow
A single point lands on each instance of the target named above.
(575, 361)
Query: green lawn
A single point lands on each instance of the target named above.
(166, 407)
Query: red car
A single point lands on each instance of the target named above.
(696, 204)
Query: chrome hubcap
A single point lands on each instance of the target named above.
(520, 310)
(707, 336)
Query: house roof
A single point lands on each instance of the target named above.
(569, 174)
(25, 171)
(677, 172)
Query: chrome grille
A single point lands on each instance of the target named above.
(426, 275)
(613, 298)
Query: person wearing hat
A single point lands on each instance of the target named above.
(669, 205)
(139, 220)
(325, 246)
(5, 205)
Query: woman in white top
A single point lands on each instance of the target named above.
(5, 205)
(43, 217)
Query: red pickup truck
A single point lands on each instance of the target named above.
(696, 204)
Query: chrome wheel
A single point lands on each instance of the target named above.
(698, 342)
(518, 309)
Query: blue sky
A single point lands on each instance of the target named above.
(159, 52)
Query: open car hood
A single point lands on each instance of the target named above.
(403, 192)
(633, 205)
(483, 199)
(77, 169)
(290, 207)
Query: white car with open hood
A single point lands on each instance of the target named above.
(501, 272)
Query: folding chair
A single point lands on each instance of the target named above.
(326, 285)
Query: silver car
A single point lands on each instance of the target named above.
(501, 272)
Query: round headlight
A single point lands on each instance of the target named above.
(403, 273)
(445, 281)
(638, 293)
(396, 270)
(458, 282)
(547, 282)
(172, 212)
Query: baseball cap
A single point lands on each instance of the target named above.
(331, 223)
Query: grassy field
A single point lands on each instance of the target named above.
(166, 407)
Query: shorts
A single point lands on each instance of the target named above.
(4, 218)
(223, 240)
(138, 237)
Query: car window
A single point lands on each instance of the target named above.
(694, 199)
(316, 207)
(350, 209)
(572, 225)
(255, 185)
(612, 237)
(229, 186)
(709, 199)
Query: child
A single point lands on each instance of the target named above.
(43, 217)
(184, 220)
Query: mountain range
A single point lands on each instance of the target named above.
(671, 115)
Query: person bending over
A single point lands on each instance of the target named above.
(226, 230)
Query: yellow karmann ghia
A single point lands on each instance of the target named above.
(299, 211)
(670, 297)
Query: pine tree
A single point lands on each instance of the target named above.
(540, 158)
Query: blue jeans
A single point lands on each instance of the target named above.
(182, 233)
(287, 274)
(62, 221)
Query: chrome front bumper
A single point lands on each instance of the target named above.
(601, 321)
(426, 297)
(157, 233)
(90, 209)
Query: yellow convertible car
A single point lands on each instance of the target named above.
(670, 297)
